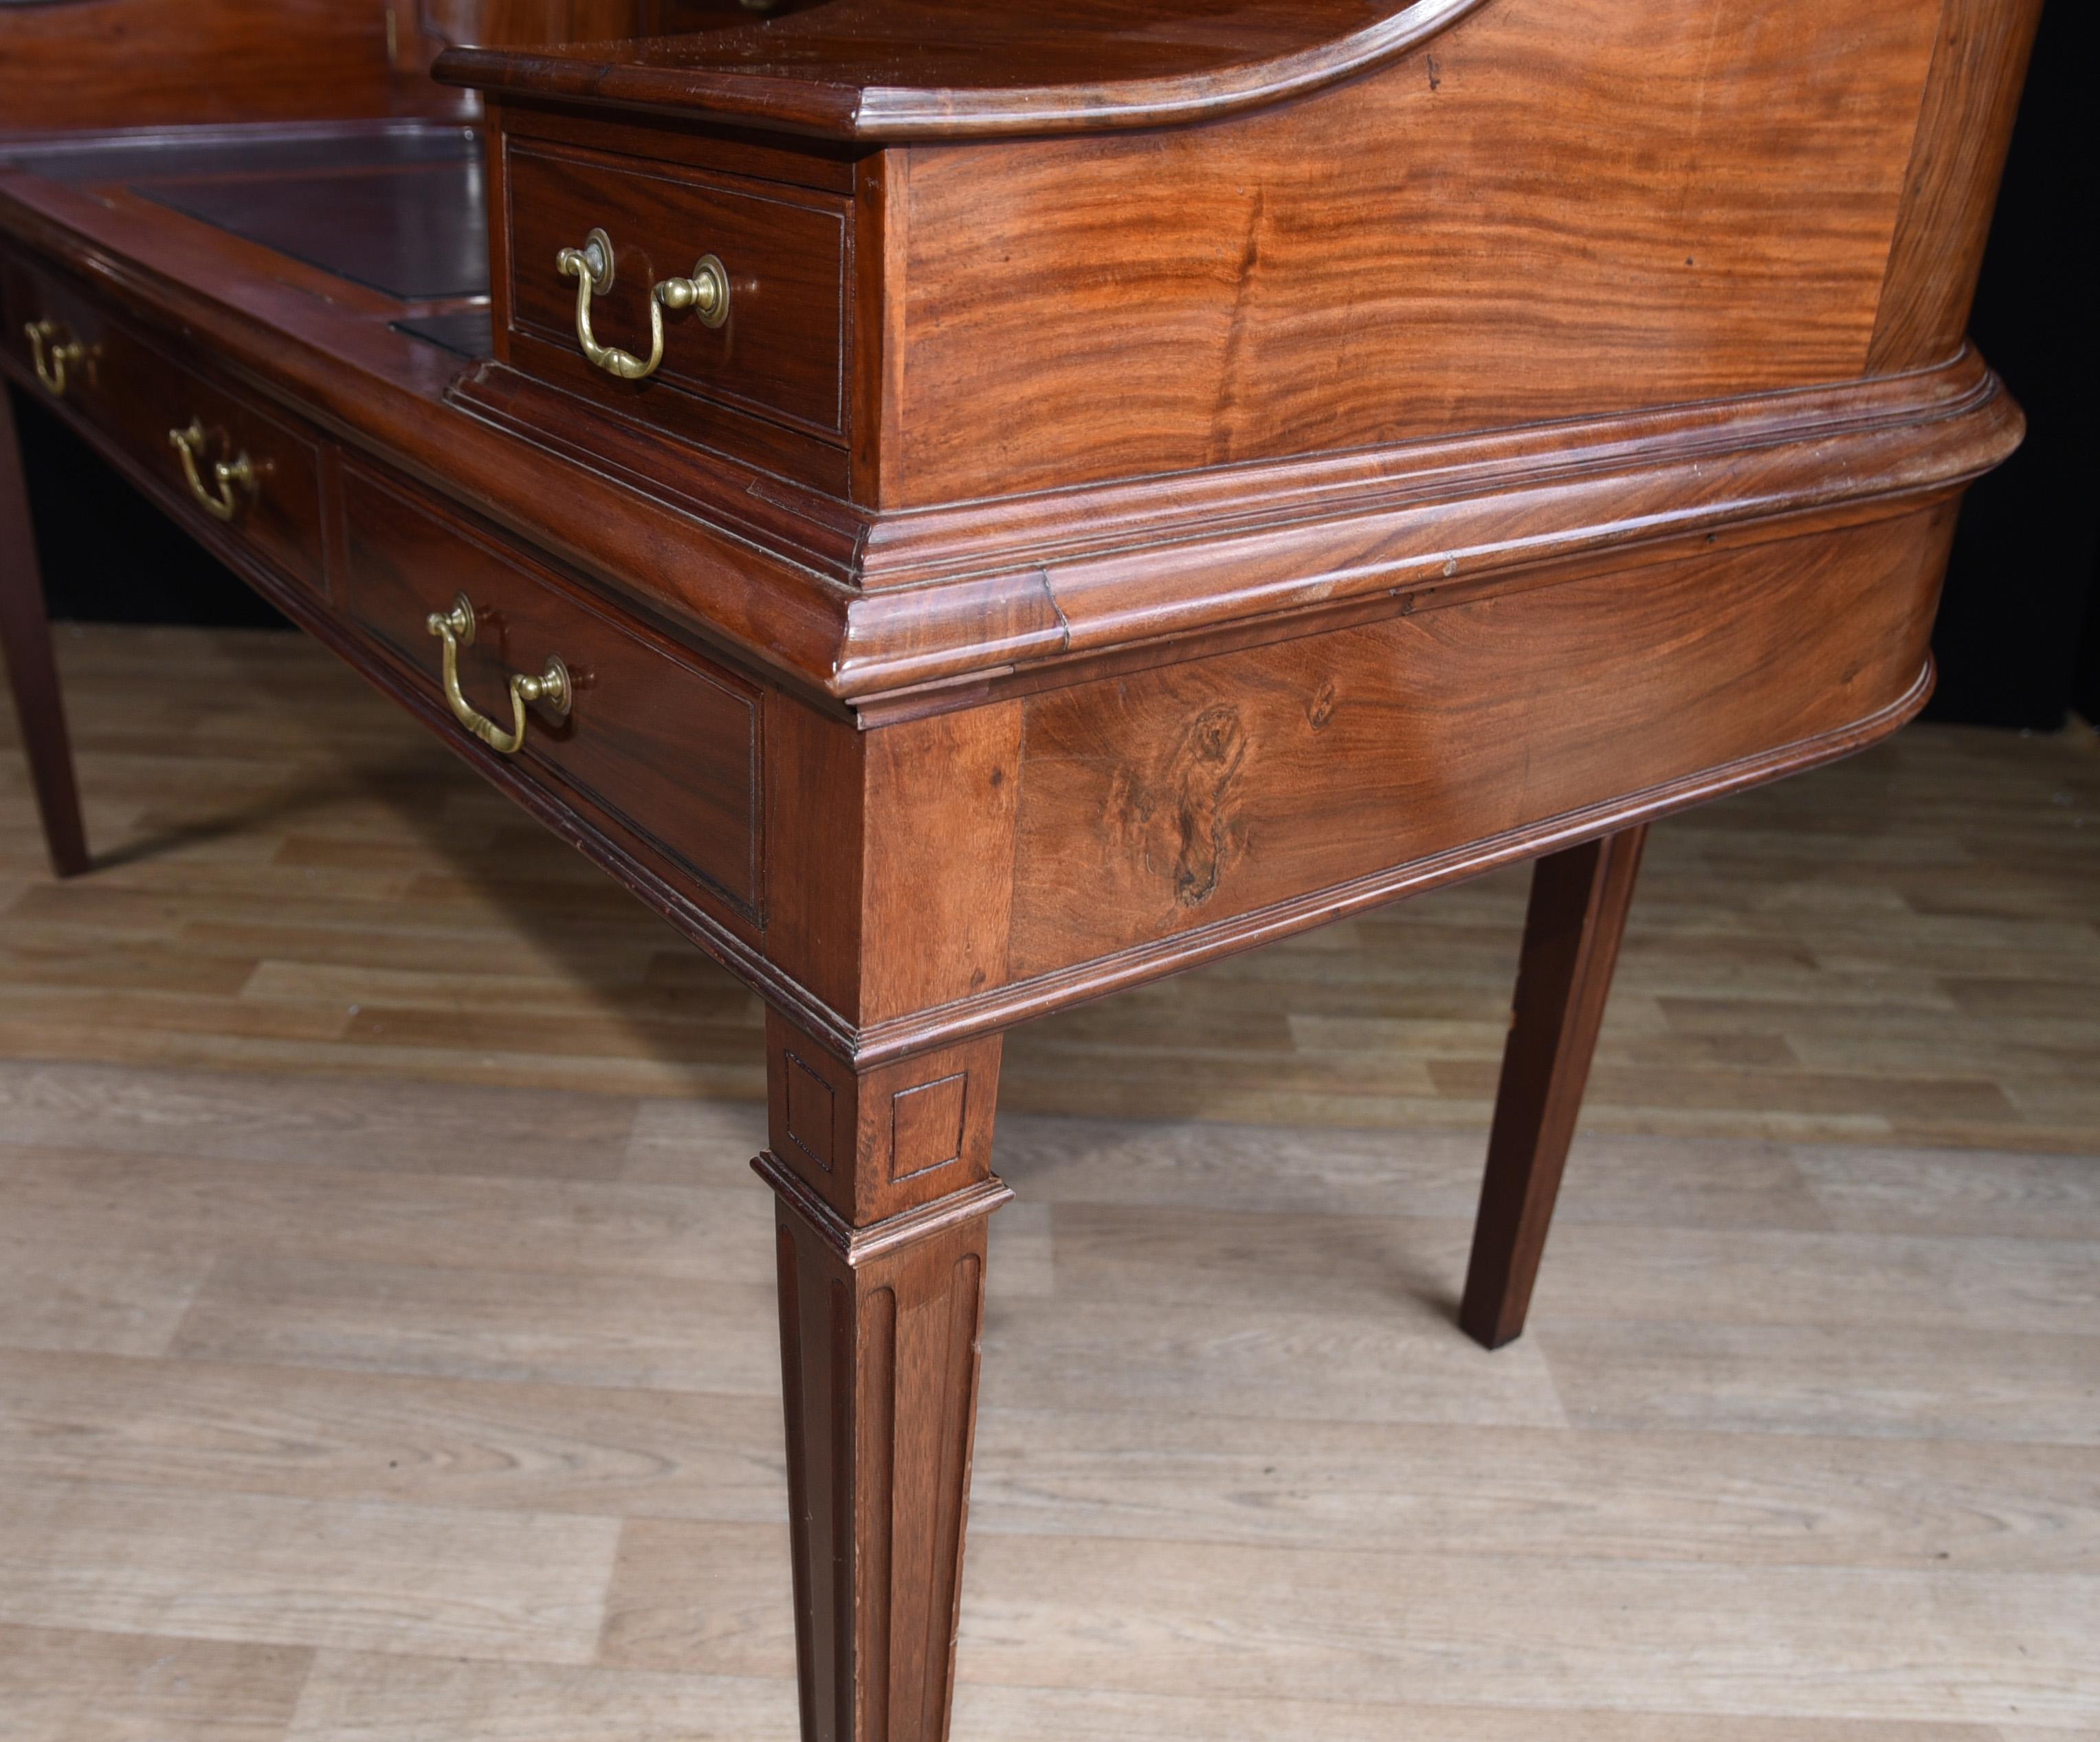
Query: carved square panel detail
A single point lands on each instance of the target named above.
(810, 1112)
(926, 1126)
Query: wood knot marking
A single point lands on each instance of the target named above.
(1321, 709)
(1182, 815)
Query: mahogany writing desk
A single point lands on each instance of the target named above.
(963, 509)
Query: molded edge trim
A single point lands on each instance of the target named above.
(1205, 554)
(897, 114)
(941, 607)
(856, 1245)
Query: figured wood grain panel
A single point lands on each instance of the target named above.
(1963, 132)
(1173, 799)
(1558, 207)
(144, 63)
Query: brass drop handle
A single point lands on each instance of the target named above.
(706, 293)
(552, 689)
(53, 359)
(233, 482)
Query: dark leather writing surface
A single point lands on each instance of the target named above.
(418, 232)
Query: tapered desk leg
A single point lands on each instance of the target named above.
(884, 1188)
(1579, 900)
(25, 638)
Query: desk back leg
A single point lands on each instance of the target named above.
(25, 639)
(884, 1190)
(1579, 900)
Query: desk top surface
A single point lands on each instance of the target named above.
(873, 70)
(400, 209)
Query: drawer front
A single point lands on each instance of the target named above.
(663, 746)
(781, 355)
(72, 337)
(131, 390)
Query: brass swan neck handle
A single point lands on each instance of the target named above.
(553, 689)
(232, 483)
(706, 293)
(54, 355)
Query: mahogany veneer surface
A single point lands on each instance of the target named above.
(1170, 477)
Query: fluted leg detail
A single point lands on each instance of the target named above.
(881, 1325)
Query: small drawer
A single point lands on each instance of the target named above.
(58, 331)
(661, 745)
(781, 353)
(247, 470)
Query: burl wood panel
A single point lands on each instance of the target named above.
(666, 748)
(1172, 799)
(1560, 207)
(73, 63)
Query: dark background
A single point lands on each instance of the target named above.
(2019, 641)
(2019, 633)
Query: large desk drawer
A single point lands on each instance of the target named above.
(246, 470)
(662, 745)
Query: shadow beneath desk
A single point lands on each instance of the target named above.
(167, 843)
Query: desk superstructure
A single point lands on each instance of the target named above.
(965, 509)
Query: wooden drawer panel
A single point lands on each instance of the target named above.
(132, 390)
(782, 355)
(662, 745)
(69, 316)
(148, 398)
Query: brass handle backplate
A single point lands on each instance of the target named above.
(553, 689)
(53, 361)
(706, 293)
(233, 482)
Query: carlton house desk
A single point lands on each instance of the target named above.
(962, 509)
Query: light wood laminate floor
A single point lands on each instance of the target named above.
(387, 1350)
